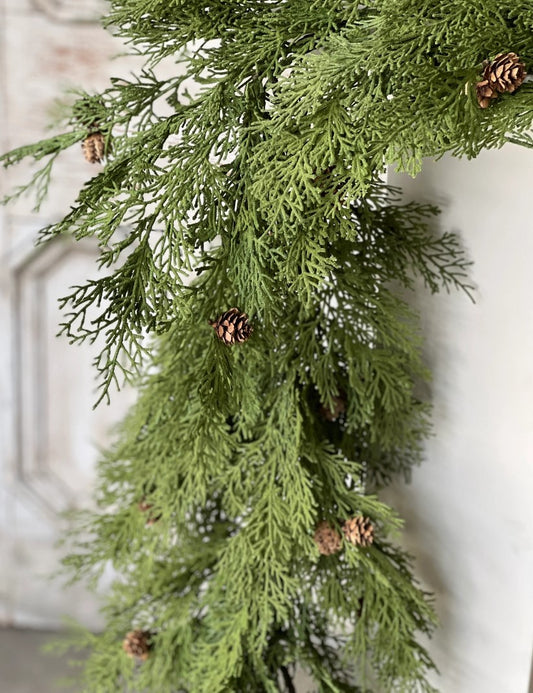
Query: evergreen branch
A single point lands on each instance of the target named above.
(266, 184)
(40, 180)
(127, 308)
(39, 150)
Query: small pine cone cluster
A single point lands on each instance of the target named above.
(146, 507)
(338, 408)
(359, 531)
(505, 73)
(137, 644)
(94, 147)
(327, 539)
(328, 181)
(232, 326)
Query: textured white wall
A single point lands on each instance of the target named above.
(469, 510)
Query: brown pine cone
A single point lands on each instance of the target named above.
(339, 407)
(485, 93)
(94, 147)
(325, 180)
(137, 643)
(505, 73)
(359, 531)
(146, 507)
(232, 326)
(327, 539)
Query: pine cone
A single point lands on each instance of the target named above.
(137, 643)
(325, 179)
(503, 74)
(232, 326)
(145, 507)
(94, 147)
(339, 407)
(322, 180)
(359, 531)
(485, 93)
(327, 539)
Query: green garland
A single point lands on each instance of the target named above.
(238, 505)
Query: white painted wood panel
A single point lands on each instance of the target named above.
(49, 432)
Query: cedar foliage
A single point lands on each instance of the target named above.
(263, 190)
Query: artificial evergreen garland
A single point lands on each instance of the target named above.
(238, 504)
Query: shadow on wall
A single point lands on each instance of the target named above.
(468, 511)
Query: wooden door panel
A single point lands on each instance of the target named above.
(49, 433)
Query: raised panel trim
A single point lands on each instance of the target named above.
(31, 468)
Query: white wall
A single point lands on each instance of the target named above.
(469, 510)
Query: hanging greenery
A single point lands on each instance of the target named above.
(257, 293)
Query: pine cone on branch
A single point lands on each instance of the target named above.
(505, 73)
(338, 408)
(327, 539)
(137, 644)
(94, 147)
(146, 507)
(328, 181)
(485, 93)
(232, 326)
(359, 531)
